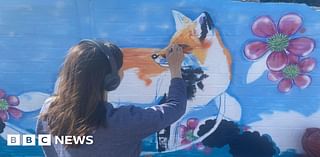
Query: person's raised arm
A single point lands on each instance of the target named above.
(143, 122)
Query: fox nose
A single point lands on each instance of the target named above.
(154, 56)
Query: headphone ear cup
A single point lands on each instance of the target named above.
(111, 82)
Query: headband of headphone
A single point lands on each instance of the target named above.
(102, 48)
(112, 80)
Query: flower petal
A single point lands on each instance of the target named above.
(264, 27)
(289, 24)
(301, 46)
(277, 61)
(14, 112)
(185, 142)
(307, 65)
(13, 100)
(192, 123)
(4, 115)
(293, 59)
(2, 93)
(302, 81)
(255, 50)
(275, 75)
(182, 131)
(285, 85)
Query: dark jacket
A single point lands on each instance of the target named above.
(126, 127)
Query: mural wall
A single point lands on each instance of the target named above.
(251, 69)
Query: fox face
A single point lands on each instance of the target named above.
(194, 36)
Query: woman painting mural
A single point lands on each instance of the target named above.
(81, 108)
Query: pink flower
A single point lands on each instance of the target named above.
(295, 73)
(278, 41)
(187, 134)
(7, 104)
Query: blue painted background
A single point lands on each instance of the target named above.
(35, 36)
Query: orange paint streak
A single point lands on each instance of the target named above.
(226, 53)
(185, 36)
(201, 54)
(140, 58)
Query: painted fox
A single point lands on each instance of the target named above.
(146, 77)
(143, 73)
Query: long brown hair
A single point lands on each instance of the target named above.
(78, 106)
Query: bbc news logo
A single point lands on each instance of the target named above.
(46, 140)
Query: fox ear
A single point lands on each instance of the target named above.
(180, 19)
